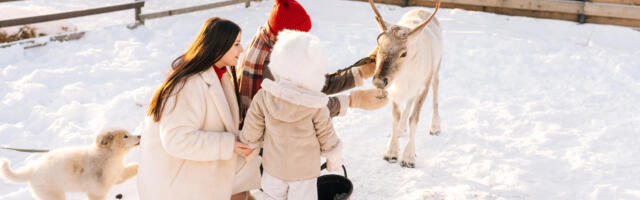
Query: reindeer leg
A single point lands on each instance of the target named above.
(435, 116)
(391, 154)
(409, 154)
(402, 125)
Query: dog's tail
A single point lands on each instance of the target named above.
(21, 175)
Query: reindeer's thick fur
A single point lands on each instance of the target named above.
(91, 169)
(424, 49)
(408, 64)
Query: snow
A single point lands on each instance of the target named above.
(531, 108)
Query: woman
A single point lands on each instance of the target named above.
(189, 148)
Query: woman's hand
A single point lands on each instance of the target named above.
(242, 149)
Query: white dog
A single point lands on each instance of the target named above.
(92, 169)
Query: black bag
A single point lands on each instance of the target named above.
(333, 186)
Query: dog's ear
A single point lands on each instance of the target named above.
(105, 139)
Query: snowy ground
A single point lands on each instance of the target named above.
(531, 108)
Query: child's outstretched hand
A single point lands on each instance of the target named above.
(334, 163)
(242, 149)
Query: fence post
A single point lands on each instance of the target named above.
(581, 17)
(247, 4)
(138, 11)
(138, 19)
(405, 3)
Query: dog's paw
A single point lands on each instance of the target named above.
(132, 168)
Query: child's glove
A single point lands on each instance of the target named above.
(368, 99)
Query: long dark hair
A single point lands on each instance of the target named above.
(214, 40)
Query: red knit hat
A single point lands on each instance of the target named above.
(288, 14)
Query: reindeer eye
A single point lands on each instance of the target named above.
(404, 54)
(126, 136)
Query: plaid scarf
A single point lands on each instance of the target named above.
(255, 58)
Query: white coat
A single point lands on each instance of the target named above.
(189, 154)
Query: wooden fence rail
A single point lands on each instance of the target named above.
(626, 13)
(139, 18)
(65, 15)
(179, 11)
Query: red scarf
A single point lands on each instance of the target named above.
(219, 71)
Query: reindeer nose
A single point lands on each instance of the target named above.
(381, 82)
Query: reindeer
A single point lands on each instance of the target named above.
(407, 64)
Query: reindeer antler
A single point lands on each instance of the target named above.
(378, 16)
(419, 27)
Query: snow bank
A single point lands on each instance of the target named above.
(531, 108)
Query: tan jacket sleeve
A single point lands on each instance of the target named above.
(324, 130)
(254, 125)
(336, 82)
(179, 128)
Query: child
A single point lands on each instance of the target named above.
(291, 116)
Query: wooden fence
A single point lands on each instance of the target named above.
(192, 9)
(139, 18)
(72, 14)
(616, 12)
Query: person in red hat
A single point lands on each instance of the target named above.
(253, 68)
(288, 14)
